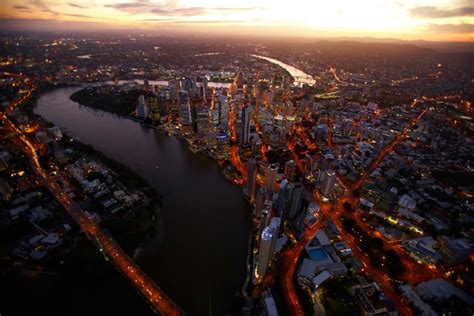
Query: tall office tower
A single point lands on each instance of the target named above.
(346, 127)
(270, 172)
(283, 199)
(320, 132)
(267, 247)
(266, 216)
(312, 166)
(223, 112)
(215, 113)
(260, 199)
(174, 88)
(290, 170)
(162, 106)
(327, 163)
(204, 87)
(251, 186)
(245, 125)
(202, 120)
(184, 108)
(189, 85)
(329, 182)
(142, 108)
(239, 80)
(194, 116)
(295, 201)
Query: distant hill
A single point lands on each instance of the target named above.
(445, 47)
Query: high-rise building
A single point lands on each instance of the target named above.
(245, 125)
(184, 108)
(346, 127)
(327, 163)
(320, 132)
(270, 172)
(189, 85)
(295, 201)
(312, 166)
(251, 186)
(239, 80)
(142, 108)
(223, 112)
(267, 247)
(204, 87)
(162, 103)
(202, 121)
(283, 198)
(260, 199)
(290, 170)
(173, 86)
(328, 183)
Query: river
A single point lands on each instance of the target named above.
(198, 256)
(299, 75)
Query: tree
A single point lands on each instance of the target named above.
(356, 192)
(347, 206)
(394, 264)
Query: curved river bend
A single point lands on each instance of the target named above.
(198, 256)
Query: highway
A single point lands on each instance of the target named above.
(154, 295)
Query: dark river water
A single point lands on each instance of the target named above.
(198, 256)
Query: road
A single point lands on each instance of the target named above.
(288, 262)
(155, 296)
(335, 210)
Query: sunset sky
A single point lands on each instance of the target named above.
(405, 19)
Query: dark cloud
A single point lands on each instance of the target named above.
(170, 8)
(191, 11)
(79, 15)
(436, 13)
(175, 21)
(463, 28)
(212, 22)
(138, 6)
(21, 7)
(75, 5)
(43, 7)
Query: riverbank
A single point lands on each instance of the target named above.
(130, 233)
(205, 219)
(109, 98)
(95, 98)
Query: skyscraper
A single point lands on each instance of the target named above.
(184, 108)
(283, 198)
(162, 99)
(270, 172)
(260, 199)
(295, 201)
(251, 185)
(245, 127)
(223, 112)
(202, 121)
(142, 108)
(320, 132)
(328, 183)
(204, 87)
(290, 170)
(267, 247)
(326, 164)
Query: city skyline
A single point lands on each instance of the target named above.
(409, 20)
